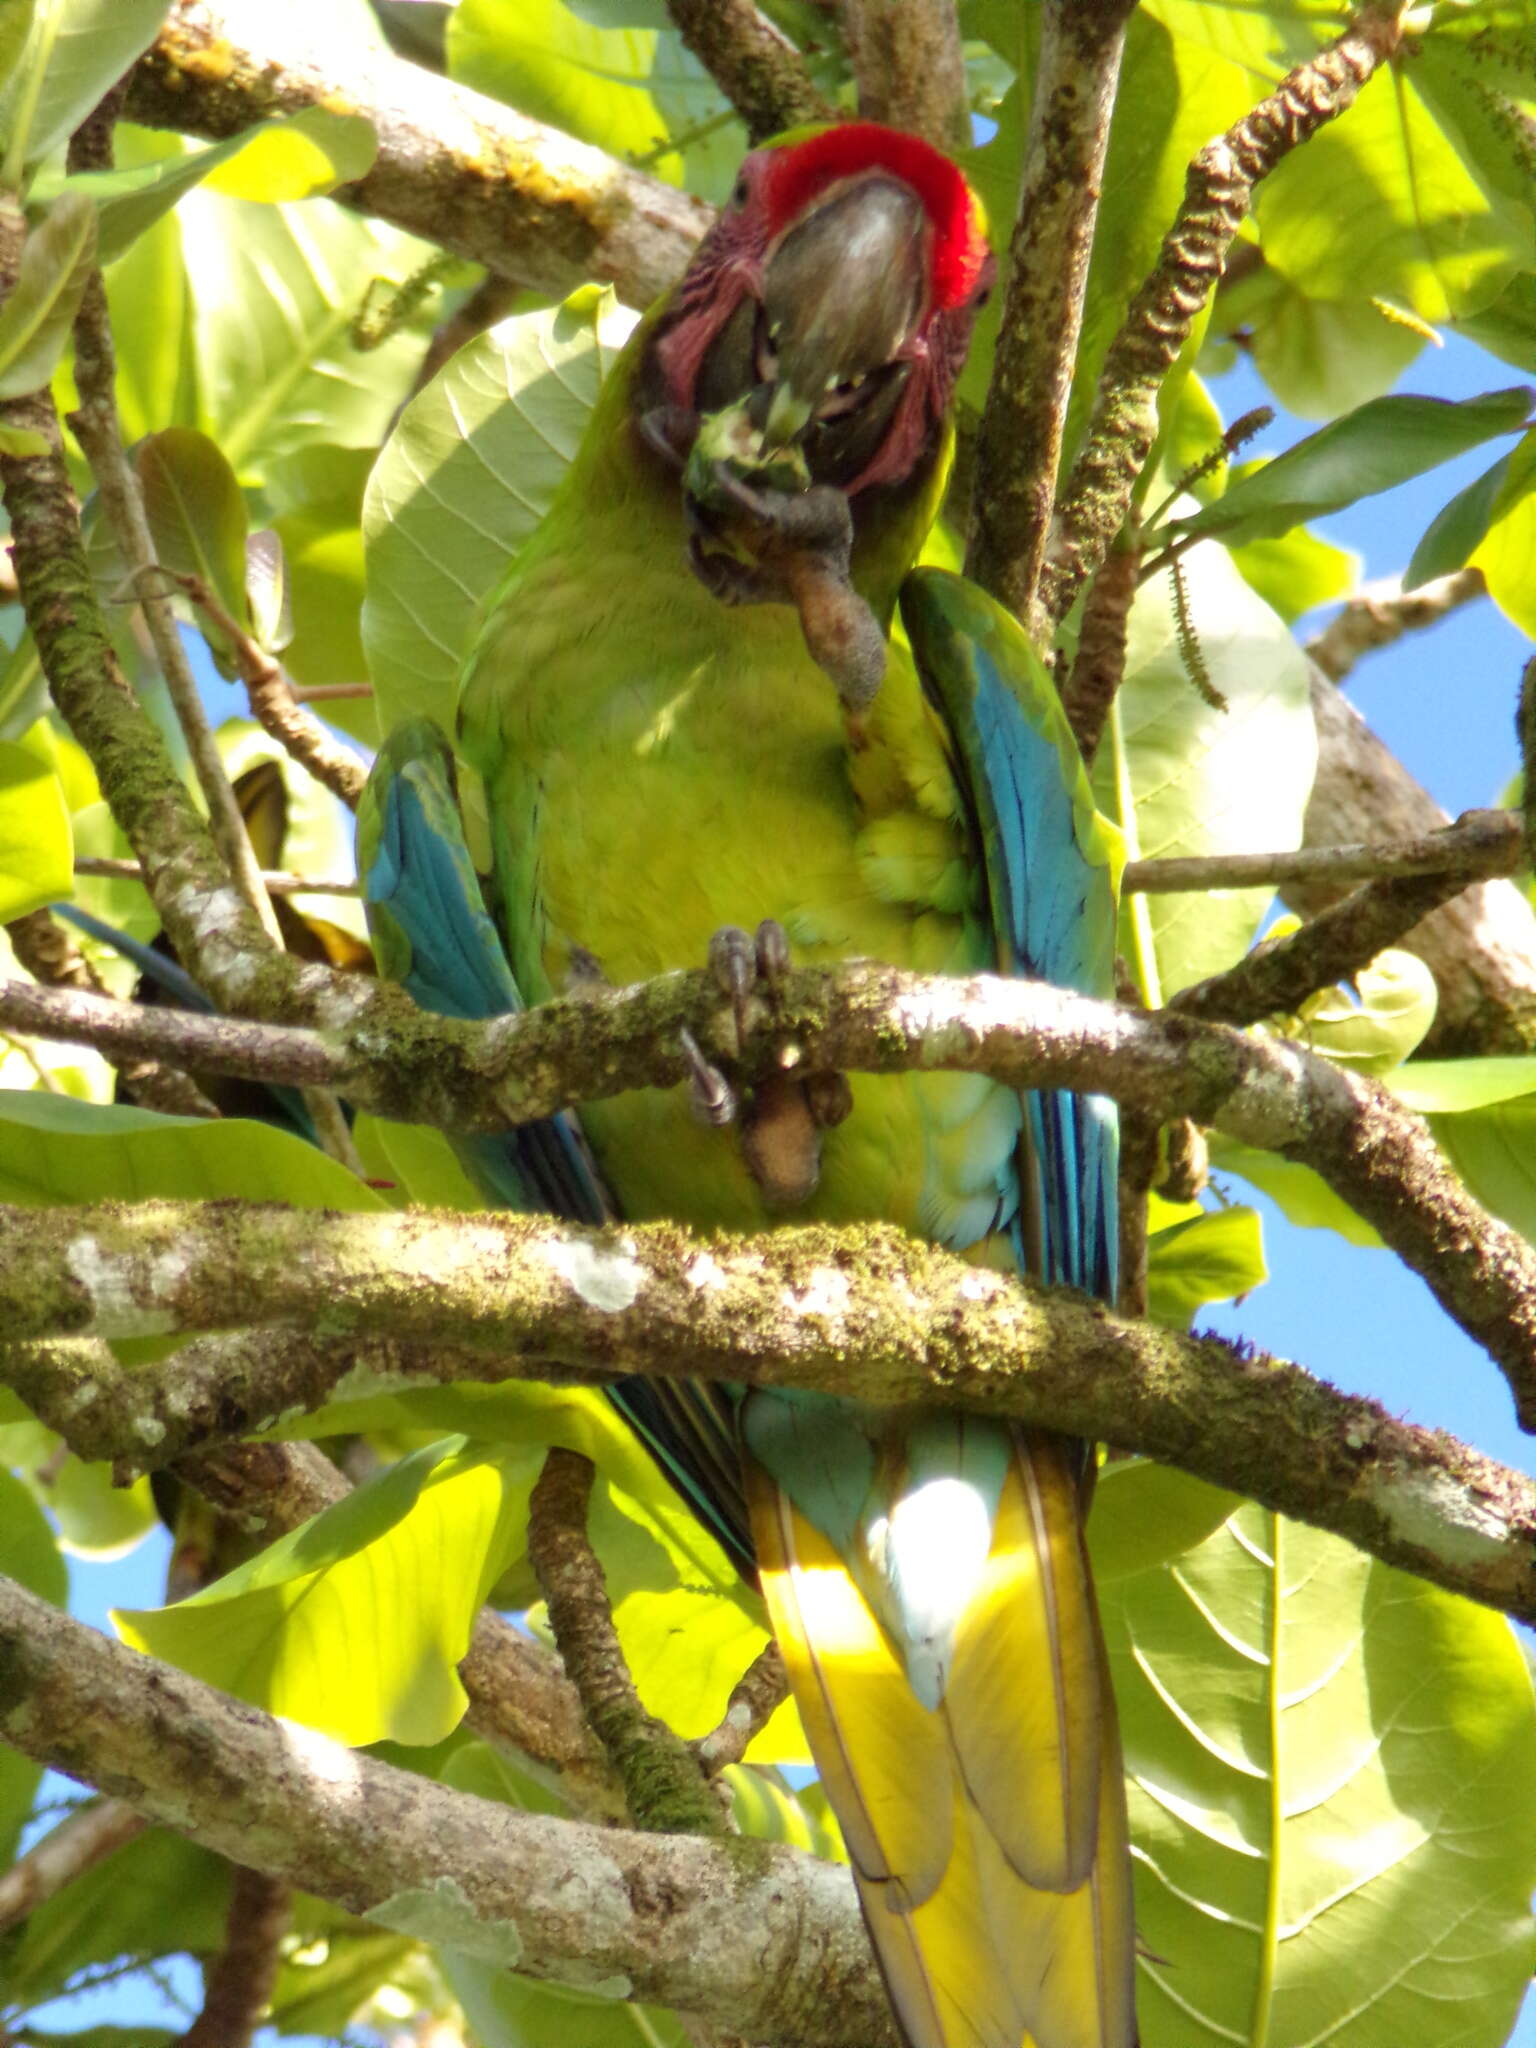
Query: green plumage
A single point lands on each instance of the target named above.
(657, 766)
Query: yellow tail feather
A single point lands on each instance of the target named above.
(988, 1836)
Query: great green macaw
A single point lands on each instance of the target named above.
(663, 759)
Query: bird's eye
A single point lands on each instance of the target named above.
(982, 297)
(739, 196)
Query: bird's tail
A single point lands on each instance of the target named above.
(987, 1830)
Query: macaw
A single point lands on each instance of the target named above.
(691, 714)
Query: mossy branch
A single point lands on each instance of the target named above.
(866, 1312)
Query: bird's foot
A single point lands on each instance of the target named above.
(761, 533)
(780, 1118)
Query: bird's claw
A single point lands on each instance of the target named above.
(783, 1115)
(710, 1096)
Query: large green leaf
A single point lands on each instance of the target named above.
(1302, 1196)
(1181, 776)
(1333, 1797)
(688, 1625)
(29, 1555)
(1506, 554)
(1381, 203)
(298, 157)
(77, 49)
(53, 1149)
(354, 1623)
(468, 473)
(617, 75)
(35, 319)
(274, 293)
(1381, 444)
(36, 845)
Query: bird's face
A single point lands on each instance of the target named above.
(833, 301)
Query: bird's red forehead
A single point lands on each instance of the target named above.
(797, 173)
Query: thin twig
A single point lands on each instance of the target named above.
(81, 1840)
(51, 956)
(275, 883)
(1097, 494)
(663, 1783)
(1383, 612)
(275, 708)
(1019, 448)
(755, 1697)
(241, 1978)
(1479, 844)
(909, 63)
(1278, 976)
(96, 427)
(754, 64)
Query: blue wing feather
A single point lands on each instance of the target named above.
(1051, 895)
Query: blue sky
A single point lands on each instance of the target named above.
(1444, 703)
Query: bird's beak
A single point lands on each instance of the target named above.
(841, 293)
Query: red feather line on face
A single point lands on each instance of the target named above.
(799, 173)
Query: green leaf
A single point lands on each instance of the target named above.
(1380, 1025)
(295, 158)
(354, 1624)
(1212, 1257)
(21, 442)
(1493, 1148)
(53, 1149)
(1145, 1515)
(1381, 204)
(1180, 776)
(1457, 527)
(274, 291)
(95, 1518)
(56, 260)
(29, 1555)
(1302, 1196)
(1298, 573)
(469, 471)
(1381, 444)
(76, 51)
(1332, 1779)
(197, 517)
(319, 522)
(627, 84)
(36, 846)
(157, 1896)
(1507, 552)
(1449, 1087)
(1320, 357)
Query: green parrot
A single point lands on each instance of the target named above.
(692, 724)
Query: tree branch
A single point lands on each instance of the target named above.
(84, 1838)
(759, 1691)
(868, 1312)
(1097, 495)
(1019, 447)
(242, 1976)
(453, 166)
(863, 1018)
(663, 1782)
(910, 67)
(753, 1936)
(277, 710)
(1383, 612)
(50, 955)
(754, 64)
(1481, 947)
